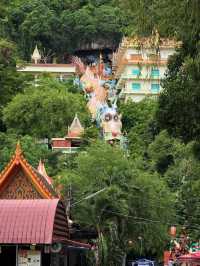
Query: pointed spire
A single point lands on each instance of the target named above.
(76, 129)
(100, 58)
(42, 170)
(18, 150)
(36, 55)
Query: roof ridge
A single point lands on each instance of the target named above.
(18, 158)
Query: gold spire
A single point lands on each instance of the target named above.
(18, 150)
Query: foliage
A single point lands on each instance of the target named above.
(10, 81)
(138, 121)
(90, 136)
(129, 206)
(171, 18)
(179, 101)
(164, 151)
(33, 151)
(44, 111)
(50, 23)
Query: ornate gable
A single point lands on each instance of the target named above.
(19, 187)
(19, 180)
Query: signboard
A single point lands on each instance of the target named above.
(29, 258)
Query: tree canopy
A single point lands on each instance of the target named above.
(11, 82)
(129, 203)
(45, 110)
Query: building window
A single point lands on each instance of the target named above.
(136, 86)
(155, 87)
(155, 73)
(136, 72)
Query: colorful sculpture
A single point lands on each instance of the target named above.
(111, 124)
(101, 94)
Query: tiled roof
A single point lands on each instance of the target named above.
(31, 222)
(44, 181)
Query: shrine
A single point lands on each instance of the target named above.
(72, 141)
(40, 66)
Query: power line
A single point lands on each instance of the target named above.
(89, 196)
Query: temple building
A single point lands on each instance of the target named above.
(72, 141)
(34, 226)
(20, 180)
(60, 71)
(140, 64)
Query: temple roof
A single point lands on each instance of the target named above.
(39, 179)
(39, 221)
(149, 42)
(76, 129)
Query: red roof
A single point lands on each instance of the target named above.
(33, 222)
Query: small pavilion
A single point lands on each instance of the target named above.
(72, 141)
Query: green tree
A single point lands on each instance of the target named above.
(179, 102)
(44, 111)
(138, 121)
(164, 151)
(183, 179)
(50, 23)
(130, 204)
(33, 151)
(11, 82)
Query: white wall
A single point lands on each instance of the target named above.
(145, 79)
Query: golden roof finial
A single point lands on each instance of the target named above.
(18, 150)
